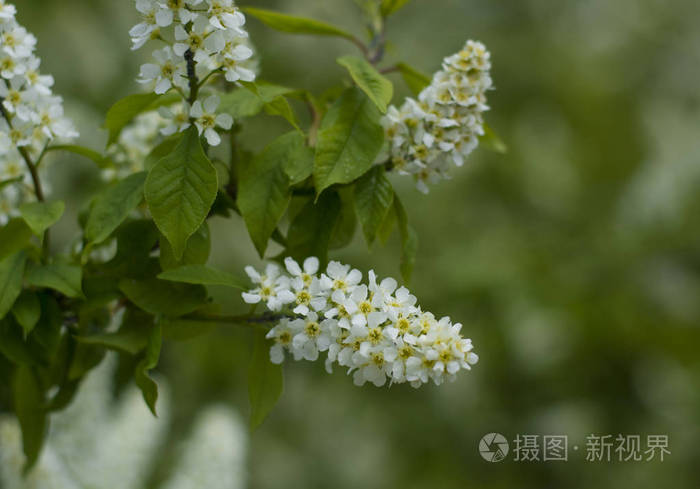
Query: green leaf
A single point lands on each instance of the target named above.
(391, 6)
(492, 141)
(148, 387)
(265, 381)
(374, 196)
(310, 232)
(387, 227)
(185, 329)
(377, 87)
(162, 297)
(67, 279)
(112, 206)
(296, 25)
(29, 408)
(203, 275)
(130, 341)
(273, 102)
(100, 160)
(40, 216)
(264, 193)
(345, 225)
(11, 275)
(12, 344)
(247, 102)
(196, 253)
(124, 111)
(349, 140)
(166, 147)
(409, 241)
(27, 311)
(14, 236)
(180, 190)
(415, 79)
(135, 242)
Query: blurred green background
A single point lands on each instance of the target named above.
(573, 261)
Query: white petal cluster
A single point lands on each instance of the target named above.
(31, 115)
(440, 129)
(211, 34)
(376, 330)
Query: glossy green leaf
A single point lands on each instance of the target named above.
(163, 297)
(100, 160)
(349, 139)
(14, 236)
(415, 79)
(30, 411)
(27, 311)
(409, 241)
(130, 341)
(66, 279)
(148, 386)
(295, 25)
(310, 231)
(265, 381)
(196, 252)
(203, 275)
(40, 216)
(11, 276)
(263, 194)
(124, 111)
(112, 206)
(374, 196)
(180, 191)
(374, 84)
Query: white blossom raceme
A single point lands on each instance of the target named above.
(376, 330)
(202, 39)
(439, 130)
(31, 116)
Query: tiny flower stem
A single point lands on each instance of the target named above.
(38, 190)
(209, 75)
(192, 76)
(389, 69)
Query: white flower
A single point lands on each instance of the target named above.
(154, 17)
(377, 331)
(207, 120)
(224, 15)
(178, 118)
(168, 70)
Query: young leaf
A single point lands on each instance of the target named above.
(377, 87)
(162, 297)
(349, 140)
(67, 279)
(40, 216)
(274, 102)
(124, 111)
(247, 102)
(27, 311)
(100, 160)
(29, 408)
(415, 80)
(14, 236)
(391, 6)
(11, 275)
(492, 141)
(310, 232)
(296, 25)
(203, 275)
(196, 253)
(265, 381)
(180, 190)
(148, 387)
(112, 207)
(409, 241)
(130, 341)
(263, 193)
(374, 196)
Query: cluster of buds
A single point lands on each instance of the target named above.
(429, 135)
(202, 38)
(31, 115)
(376, 330)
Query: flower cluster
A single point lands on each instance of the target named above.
(376, 329)
(31, 115)
(443, 126)
(202, 38)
